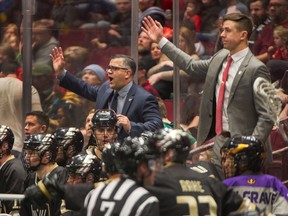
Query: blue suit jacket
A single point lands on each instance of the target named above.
(140, 106)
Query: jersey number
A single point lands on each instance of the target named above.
(108, 207)
(193, 206)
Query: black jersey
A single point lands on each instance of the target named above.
(122, 196)
(12, 176)
(51, 208)
(182, 191)
(207, 168)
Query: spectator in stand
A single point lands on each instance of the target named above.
(67, 114)
(232, 6)
(65, 15)
(120, 24)
(7, 54)
(43, 41)
(9, 31)
(149, 8)
(12, 173)
(144, 47)
(164, 88)
(87, 130)
(279, 59)
(75, 59)
(142, 73)
(192, 13)
(260, 17)
(117, 25)
(43, 9)
(11, 93)
(188, 84)
(43, 80)
(208, 26)
(94, 75)
(280, 50)
(278, 12)
(100, 10)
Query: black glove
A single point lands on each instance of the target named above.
(55, 189)
(35, 195)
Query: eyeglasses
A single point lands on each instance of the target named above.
(115, 68)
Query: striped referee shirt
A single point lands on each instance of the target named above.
(122, 196)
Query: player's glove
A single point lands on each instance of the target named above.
(54, 188)
(35, 195)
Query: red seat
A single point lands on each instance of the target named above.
(170, 109)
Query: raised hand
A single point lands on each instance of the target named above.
(57, 59)
(153, 29)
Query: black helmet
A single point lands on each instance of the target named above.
(132, 152)
(42, 143)
(104, 118)
(247, 151)
(84, 164)
(6, 135)
(108, 157)
(70, 136)
(174, 139)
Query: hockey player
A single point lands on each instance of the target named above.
(70, 142)
(182, 191)
(242, 159)
(12, 173)
(41, 150)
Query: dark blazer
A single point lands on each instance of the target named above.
(140, 106)
(247, 111)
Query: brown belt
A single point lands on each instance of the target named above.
(226, 134)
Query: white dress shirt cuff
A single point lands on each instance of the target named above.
(162, 42)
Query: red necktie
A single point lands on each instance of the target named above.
(219, 108)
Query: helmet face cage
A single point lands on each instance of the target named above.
(6, 135)
(173, 139)
(108, 157)
(42, 143)
(247, 152)
(104, 119)
(132, 152)
(67, 137)
(84, 165)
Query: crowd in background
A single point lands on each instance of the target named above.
(91, 32)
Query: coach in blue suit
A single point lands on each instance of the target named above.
(137, 110)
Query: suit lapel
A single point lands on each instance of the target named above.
(239, 74)
(129, 99)
(103, 103)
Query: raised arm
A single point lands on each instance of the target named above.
(58, 61)
(153, 29)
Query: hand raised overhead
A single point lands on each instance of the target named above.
(57, 58)
(153, 29)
